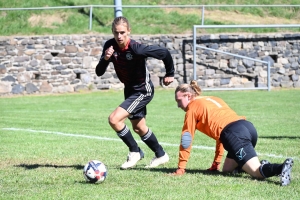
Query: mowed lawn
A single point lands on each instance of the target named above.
(45, 141)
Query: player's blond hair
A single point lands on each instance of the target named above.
(192, 88)
(120, 20)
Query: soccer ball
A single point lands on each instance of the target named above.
(95, 171)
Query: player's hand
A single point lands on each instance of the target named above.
(178, 172)
(109, 52)
(215, 166)
(168, 80)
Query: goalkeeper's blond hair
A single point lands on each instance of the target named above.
(192, 88)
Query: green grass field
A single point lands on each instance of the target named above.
(143, 20)
(46, 140)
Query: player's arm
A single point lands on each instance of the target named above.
(216, 165)
(104, 59)
(187, 136)
(159, 53)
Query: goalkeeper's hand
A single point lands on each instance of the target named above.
(178, 172)
(215, 166)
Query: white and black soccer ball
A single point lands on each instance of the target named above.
(95, 171)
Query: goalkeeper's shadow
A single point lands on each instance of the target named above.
(169, 171)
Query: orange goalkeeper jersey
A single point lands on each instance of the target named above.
(209, 115)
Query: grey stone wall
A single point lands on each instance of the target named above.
(66, 63)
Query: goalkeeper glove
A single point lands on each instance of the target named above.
(215, 166)
(178, 172)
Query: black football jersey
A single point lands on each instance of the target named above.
(130, 64)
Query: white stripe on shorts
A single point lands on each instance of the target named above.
(141, 97)
(135, 103)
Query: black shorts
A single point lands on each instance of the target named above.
(136, 100)
(239, 139)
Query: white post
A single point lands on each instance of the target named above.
(91, 17)
(118, 8)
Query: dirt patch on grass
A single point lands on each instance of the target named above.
(3, 14)
(233, 17)
(238, 18)
(47, 20)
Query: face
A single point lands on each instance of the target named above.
(121, 34)
(183, 99)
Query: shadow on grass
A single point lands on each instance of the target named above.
(35, 166)
(83, 11)
(280, 137)
(168, 171)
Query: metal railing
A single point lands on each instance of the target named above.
(195, 46)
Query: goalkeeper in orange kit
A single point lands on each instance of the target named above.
(213, 117)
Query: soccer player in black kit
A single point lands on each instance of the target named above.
(129, 60)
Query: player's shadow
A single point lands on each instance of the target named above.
(35, 166)
(191, 171)
(168, 171)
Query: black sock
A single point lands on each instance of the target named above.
(128, 139)
(151, 141)
(268, 170)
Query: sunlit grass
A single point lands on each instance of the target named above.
(46, 140)
(144, 20)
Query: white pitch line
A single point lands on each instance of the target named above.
(118, 140)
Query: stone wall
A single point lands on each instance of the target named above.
(66, 63)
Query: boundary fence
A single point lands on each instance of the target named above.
(195, 46)
(195, 27)
(203, 7)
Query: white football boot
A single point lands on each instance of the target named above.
(285, 176)
(132, 159)
(158, 161)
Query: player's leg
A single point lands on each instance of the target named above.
(260, 170)
(231, 142)
(139, 126)
(252, 168)
(252, 163)
(239, 140)
(283, 170)
(137, 108)
(147, 136)
(116, 121)
(265, 170)
(229, 165)
(117, 118)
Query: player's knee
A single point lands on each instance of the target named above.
(138, 130)
(186, 140)
(256, 174)
(229, 165)
(112, 120)
(252, 168)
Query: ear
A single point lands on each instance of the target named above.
(189, 96)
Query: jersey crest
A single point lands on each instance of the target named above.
(115, 55)
(129, 56)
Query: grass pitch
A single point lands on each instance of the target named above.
(45, 141)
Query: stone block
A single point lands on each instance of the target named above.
(249, 84)
(5, 87)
